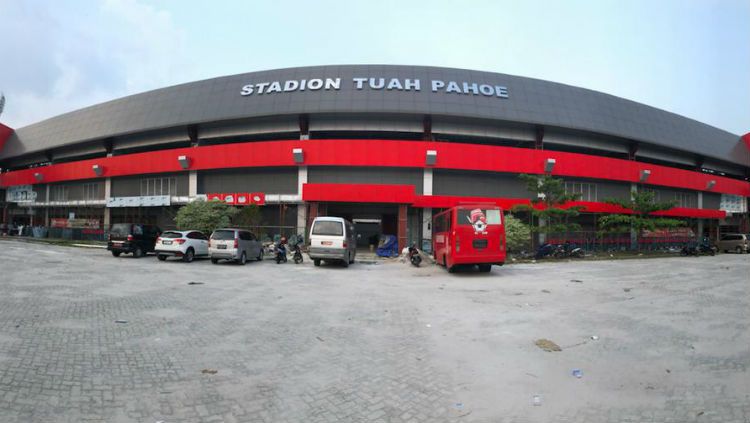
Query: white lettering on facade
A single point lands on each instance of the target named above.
(359, 83)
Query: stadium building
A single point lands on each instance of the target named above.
(384, 146)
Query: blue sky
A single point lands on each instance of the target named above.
(691, 57)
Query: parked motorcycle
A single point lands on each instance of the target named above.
(414, 256)
(695, 249)
(281, 251)
(297, 256)
(558, 251)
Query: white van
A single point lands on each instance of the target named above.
(332, 238)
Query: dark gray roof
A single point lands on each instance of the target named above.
(530, 100)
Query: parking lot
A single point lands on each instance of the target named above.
(85, 337)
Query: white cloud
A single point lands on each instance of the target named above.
(73, 57)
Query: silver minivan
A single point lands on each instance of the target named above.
(737, 243)
(332, 238)
(238, 245)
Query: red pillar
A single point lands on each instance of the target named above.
(402, 208)
(312, 213)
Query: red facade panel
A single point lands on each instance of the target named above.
(359, 193)
(379, 153)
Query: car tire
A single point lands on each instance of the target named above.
(316, 262)
(161, 257)
(351, 260)
(243, 259)
(738, 250)
(346, 261)
(188, 256)
(116, 253)
(485, 268)
(260, 255)
(138, 253)
(214, 261)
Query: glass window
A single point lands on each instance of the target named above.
(137, 230)
(471, 216)
(120, 229)
(324, 227)
(172, 234)
(223, 235)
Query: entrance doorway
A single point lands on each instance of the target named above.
(370, 220)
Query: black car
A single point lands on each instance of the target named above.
(134, 238)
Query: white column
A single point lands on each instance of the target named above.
(107, 196)
(301, 220)
(427, 181)
(192, 183)
(700, 221)
(301, 180)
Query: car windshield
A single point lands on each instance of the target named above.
(325, 227)
(223, 235)
(171, 234)
(120, 229)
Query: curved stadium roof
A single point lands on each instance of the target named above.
(529, 100)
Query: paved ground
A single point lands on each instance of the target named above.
(381, 343)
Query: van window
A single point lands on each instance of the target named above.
(223, 235)
(469, 216)
(326, 227)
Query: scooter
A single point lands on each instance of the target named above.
(297, 256)
(414, 256)
(280, 253)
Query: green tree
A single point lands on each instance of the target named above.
(517, 233)
(643, 205)
(204, 216)
(550, 196)
(248, 216)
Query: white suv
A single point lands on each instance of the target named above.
(185, 244)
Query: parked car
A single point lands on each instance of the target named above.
(737, 243)
(185, 244)
(238, 245)
(332, 238)
(132, 238)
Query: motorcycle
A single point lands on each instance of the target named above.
(414, 256)
(297, 256)
(280, 253)
(695, 249)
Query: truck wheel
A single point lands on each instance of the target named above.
(738, 250)
(138, 253)
(161, 257)
(484, 268)
(316, 262)
(116, 253)
(214, 261)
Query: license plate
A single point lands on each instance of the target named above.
(479, 243)
(326, 242)
(222, 247)
(167, 242)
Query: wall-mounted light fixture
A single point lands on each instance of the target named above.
(645, 173)
(549, 165)
(38, 176)
(98, 170)
(431, 158)
(299, 155)
(184, 161)
(710, 184)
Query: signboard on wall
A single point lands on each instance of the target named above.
(20, 194)
(74, 223)
(144, 201)
(733, 203)
(238, 198)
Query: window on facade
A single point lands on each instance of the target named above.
(158, 186)
(586, 191)
(686, 199)
(60, 193)
(91, 191)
